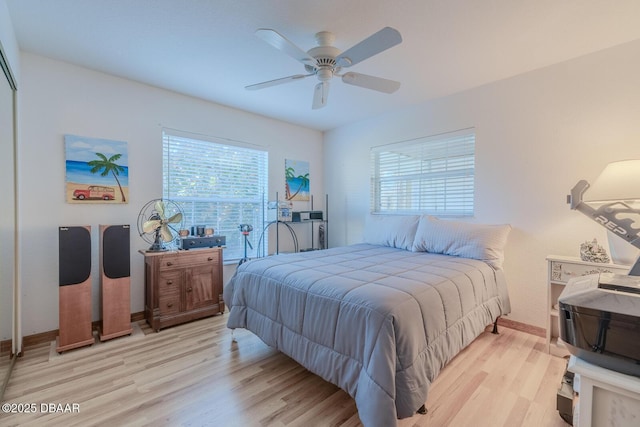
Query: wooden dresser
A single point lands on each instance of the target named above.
(182, 286)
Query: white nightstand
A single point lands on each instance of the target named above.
(561, 269)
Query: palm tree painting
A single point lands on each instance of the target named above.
(97, 170)
(296, 180)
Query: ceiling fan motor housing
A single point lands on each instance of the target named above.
(325, 56)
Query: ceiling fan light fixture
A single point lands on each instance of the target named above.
(324, 74)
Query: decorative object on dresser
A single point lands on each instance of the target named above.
(593, 252)
(560, 270)
(75, 288)
(181, 286)
(613, 202)
(115, 281)
(160, 222)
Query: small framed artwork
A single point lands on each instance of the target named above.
(96, 170)
(296, 180)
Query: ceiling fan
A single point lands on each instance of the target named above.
(326, 61)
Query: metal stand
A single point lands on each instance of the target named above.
(246, 242)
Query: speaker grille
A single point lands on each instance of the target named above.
(74, 255)
(116, 252)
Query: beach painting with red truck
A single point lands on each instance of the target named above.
(97, 170)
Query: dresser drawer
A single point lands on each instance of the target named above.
(188, 259)
(563, 271)
(169, 304)
(170, 282)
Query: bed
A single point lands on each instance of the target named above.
(379, 319)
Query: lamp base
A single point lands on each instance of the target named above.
(621, 251)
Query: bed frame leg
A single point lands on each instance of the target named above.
(422, 410)
(495, 326)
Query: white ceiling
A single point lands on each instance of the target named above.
(206, 48)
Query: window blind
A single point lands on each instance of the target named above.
(431, 175)
(217, 184)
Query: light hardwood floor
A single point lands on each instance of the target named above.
(194, 375)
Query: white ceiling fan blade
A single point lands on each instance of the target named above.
(320, 95)
(372, 45)
(280, 42)
(371, 82)
(276, 81)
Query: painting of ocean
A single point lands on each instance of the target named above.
(296, 180)
(79, 172)
(96, 170)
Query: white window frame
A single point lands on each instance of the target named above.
(216, 184)
(432, 175)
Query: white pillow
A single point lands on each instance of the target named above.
(463, 239)
(396, 231)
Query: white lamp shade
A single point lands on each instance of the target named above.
(619, 181)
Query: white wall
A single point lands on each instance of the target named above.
(58, 99)
(537, 135)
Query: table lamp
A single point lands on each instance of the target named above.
(613, 201)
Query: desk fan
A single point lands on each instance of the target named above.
(158, 223)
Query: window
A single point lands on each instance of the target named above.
(431, 175)
(218, 184)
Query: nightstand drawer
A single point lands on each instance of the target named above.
(563, 271)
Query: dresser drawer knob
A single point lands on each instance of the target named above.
(210, 259)
(169, 305)
(169, 263)
(189, 289)
(169, 282)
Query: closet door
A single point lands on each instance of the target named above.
(7, 217)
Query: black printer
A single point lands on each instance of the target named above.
(600, 320)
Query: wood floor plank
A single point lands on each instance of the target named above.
(518, 412)
(468, 414)
(527, 381)
(195, 375)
